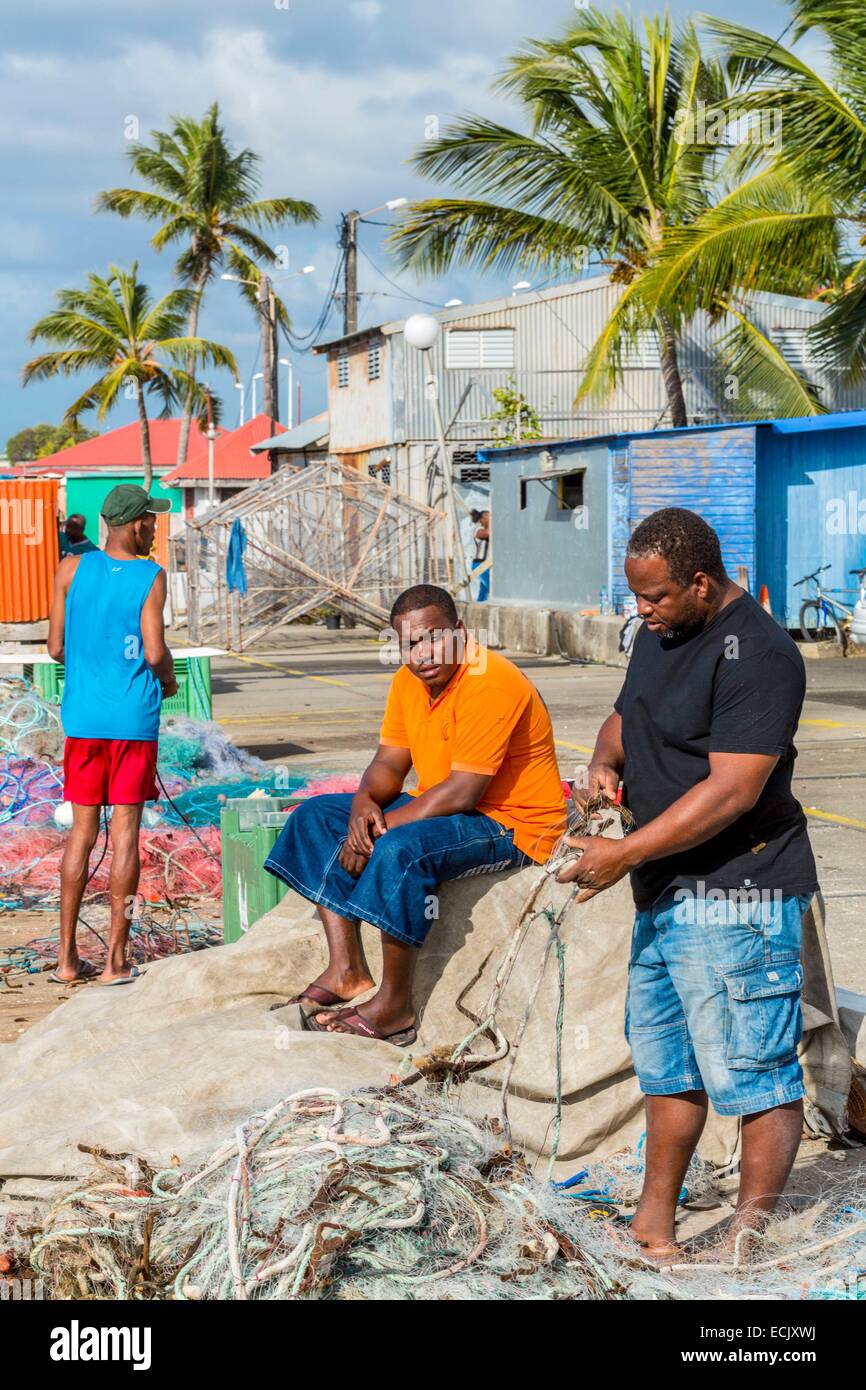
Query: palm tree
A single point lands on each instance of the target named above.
(602, 173)
(768, 233)
(821, 148)
(113, 329)
(203, 193)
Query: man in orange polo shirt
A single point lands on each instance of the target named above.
(489, 797)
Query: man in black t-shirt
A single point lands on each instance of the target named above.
(721, 867)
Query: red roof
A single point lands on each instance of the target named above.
(120, 448)
(231, 456)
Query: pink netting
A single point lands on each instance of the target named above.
(174, 864)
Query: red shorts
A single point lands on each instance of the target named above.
(109, 771)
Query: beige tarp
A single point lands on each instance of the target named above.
(169, 1065)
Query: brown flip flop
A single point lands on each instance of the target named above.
(315, 994)
(356, 1024)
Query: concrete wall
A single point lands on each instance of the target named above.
(540, 556)
(545, 631)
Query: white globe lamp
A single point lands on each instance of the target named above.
(421, 331)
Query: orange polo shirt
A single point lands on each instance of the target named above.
(488, 719)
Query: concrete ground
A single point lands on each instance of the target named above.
(315, 699)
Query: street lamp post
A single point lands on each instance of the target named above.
(257, 377)
(239, 386)
(290, 415)
(421, 332)
(211, 435)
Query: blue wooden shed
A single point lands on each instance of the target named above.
(785, 496)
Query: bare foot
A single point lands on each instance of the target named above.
(739, 1243)
(657, 1252)
(347, 984)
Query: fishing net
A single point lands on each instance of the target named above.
(619, 1178)
(155, 932)
(200, 770)
(384, 1194)
(199, 767)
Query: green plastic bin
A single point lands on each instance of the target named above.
(193, 699)
(249, 828)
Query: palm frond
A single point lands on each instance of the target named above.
(270, 212)
(65, 363)
(764, 382)
(767, 234)
(201, 351)
(442, 233)
(138, 202)
(604, 363)
(811, 124)
(838, 341)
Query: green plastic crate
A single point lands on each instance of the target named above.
(193, 699)
(249, 829)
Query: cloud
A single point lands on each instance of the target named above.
(368, 10)
(333, 108)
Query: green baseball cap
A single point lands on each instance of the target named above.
(127, 502)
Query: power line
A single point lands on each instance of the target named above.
(297, 340)
(430, 304)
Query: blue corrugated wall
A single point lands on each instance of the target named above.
(811, 497)
(710, 472)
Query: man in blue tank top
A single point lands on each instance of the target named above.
(106, 626)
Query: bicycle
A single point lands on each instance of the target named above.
(822, 617)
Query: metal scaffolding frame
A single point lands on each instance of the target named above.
(320, 535)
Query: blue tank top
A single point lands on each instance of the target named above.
(109, 691)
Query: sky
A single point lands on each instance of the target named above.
(334, 95)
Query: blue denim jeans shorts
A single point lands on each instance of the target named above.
(713, 999)
(397, 890)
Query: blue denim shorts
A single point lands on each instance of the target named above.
(713, 999)
(397, 890)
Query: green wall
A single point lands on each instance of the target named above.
(86, 495)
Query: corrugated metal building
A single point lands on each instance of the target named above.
(784, 495)
(28, 548)
(381, 412)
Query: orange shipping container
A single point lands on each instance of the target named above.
(28, 548)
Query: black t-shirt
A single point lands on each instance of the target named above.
(737, 686)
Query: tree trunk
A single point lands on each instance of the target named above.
(671, 375)
(146, 460)
(186, 418)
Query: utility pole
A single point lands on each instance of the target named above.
(349, 243)
(270, 384)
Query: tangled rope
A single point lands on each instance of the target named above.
(386, 1194)
(368, 1195)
